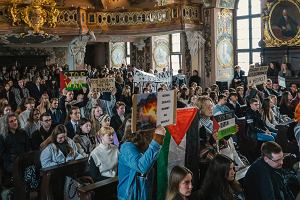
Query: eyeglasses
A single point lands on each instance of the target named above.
(280, 159)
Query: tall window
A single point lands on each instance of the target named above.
(175, 52)
(127, 44)
(248, 23)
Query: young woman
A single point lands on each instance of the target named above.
(268, 115)
(219, 182)
(33, 122)
(60, 149)
(104, 158)
(138, 153)
(44, 104)
(126, 98)
(97, 111)
(83, 139)
(285, 106)
(180, 184)
(105, 121)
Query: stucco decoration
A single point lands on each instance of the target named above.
(78, 48)
(195, 41)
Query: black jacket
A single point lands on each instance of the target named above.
(39, 136)
(238, 111)
(262, 182)
(255, 124)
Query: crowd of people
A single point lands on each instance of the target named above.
(35, 115)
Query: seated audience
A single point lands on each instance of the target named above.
(219, 181)
(220, 107)
(285, 106)
(240, 93)
(33, 122)
(96, 113)
(180, 184)
(39, 137)
(13, 142)
(72, 124)
(138, 153)
(44, 103)
(55, 112)
(104, 158)
(60, 149)
(23, 117)
(118, 119)
(268, 115)
(264, 179)
(234, 105)
(257, 128)
(82, 137)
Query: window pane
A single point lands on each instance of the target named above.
(256, 6)
(128, 48)
(176, 42)
(175, 62)
(243, 34)
(243, 61)
(243, 8)
(256, 57)
(256, 32)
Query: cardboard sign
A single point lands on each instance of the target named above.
(281, 81)
(73, 80)
(226, 124)
(257, 75)
(103, 84)
(141, 76)
(150, 110)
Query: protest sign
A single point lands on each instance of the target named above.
(141, 76)
(281, 81)
(73, 80)
(153, 109)
(226, 124)
(102, 84)
(257, 75)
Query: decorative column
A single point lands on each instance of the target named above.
(76, 50)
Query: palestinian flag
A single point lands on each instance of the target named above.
(73, 80)
(175, 151)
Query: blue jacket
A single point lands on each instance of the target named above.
(135, 176)
(52, 156)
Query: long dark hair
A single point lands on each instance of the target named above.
(285, 99)
(266, 110)
(59, 129)
(177, 174)
(215, 184)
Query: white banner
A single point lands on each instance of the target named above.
(281, 81)
(166, 108)
(257, 75)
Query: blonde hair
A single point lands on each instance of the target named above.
(106, 130)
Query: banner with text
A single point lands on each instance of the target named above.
(226, 124)
(102, 84)
(73, 80)
(141, 78)
(257, 75)
(153, 109)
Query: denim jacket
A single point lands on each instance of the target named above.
(135, 176)
(52, 156)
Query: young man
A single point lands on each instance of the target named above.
(72, 125)
(233, 104)
(257, 127)
(43, 133)
(55, 112)
(264, 180)
(220, 107)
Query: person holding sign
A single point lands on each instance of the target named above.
(257, 127)
(137, 155)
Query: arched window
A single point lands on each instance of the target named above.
(248, 26)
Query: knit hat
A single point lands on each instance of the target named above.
(103, 118)
(297, 113)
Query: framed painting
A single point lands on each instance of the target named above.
(282, 23)
(226, 4)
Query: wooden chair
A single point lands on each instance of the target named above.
(23, 161)
(104, 190)
(53, 178)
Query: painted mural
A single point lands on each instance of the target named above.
(160, 52)
(224, 45)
